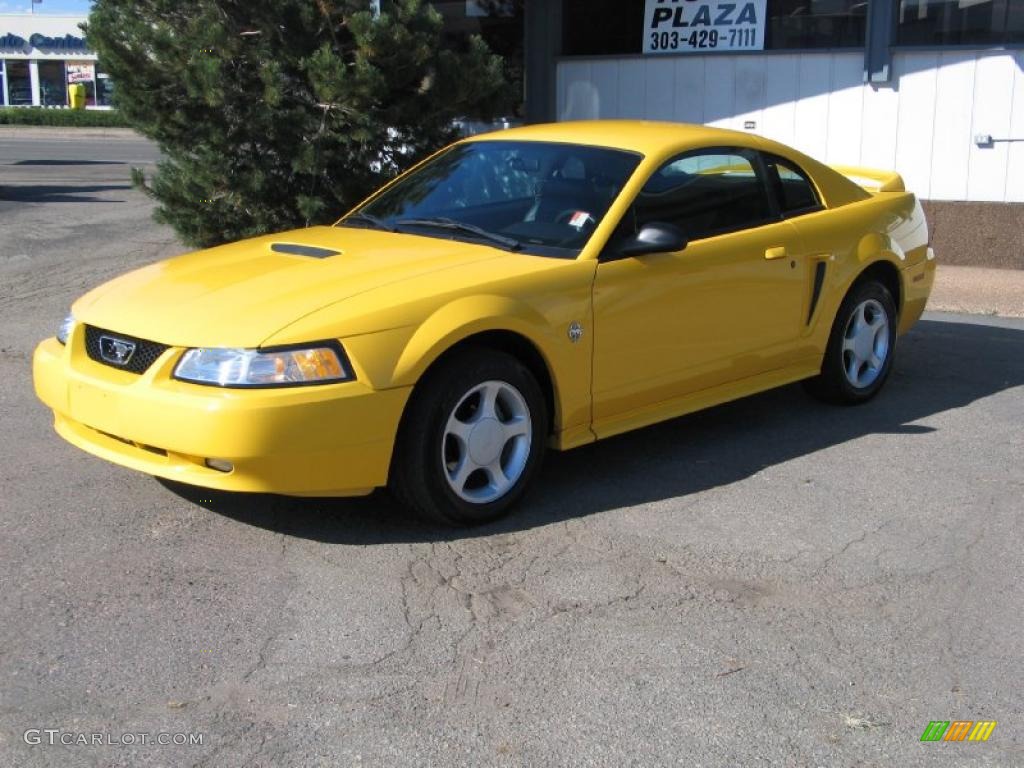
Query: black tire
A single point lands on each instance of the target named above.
(419, 476)
(834, 384)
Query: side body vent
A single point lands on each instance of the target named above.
(819, 281)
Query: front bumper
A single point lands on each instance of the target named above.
(329, 440)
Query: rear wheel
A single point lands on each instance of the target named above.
(861, 348)
(471, 440)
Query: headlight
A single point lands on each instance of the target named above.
(64, 332)
(286, 366)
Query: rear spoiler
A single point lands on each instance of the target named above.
(872, 180)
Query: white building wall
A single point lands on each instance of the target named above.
(922, 124)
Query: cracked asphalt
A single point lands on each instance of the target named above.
(772, 582)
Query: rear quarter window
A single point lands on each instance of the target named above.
(793, 188)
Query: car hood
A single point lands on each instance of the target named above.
(240, 294)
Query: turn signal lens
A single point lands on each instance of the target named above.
(66, 327)
(317, 364)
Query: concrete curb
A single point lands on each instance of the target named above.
(61, 133)
(978, 291)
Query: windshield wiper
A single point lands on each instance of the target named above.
(368, 218)
(442, 222)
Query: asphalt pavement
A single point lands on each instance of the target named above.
(770, 582)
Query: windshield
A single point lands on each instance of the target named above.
(540, 198)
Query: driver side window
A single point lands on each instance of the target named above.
(705, 193)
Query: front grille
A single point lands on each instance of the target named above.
(145, 354)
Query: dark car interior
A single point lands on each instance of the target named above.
(720, 200)
(549, 197)
(569, 196)
(703, 205)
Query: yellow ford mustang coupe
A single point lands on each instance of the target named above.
(541, 287)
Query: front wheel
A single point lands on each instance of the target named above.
(861, 349)
(471, 440)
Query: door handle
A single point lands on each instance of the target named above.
(778, 252)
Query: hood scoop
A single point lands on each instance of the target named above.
(303, 250)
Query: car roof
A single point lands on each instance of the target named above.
(649, 137)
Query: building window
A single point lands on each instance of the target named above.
(960, 22)
(816, 24)
(84, 72)
(1015, 23)
(500, 23)
(53, 87)
(608, 27)
(104, 88)
(19, 84)
(597, 27)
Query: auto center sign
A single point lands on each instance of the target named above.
(703, 26)
(66, 44)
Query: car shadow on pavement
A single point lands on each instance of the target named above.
(63, 163)
(942, 365)
(58, 193)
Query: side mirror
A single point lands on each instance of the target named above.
(654, 237)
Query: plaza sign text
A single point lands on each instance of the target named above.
(703, 26)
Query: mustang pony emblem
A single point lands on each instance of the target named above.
(116, 351)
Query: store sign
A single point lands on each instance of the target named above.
(703, 26)
(81, 73)
(66, 43)
(43, 43)
(11, 42)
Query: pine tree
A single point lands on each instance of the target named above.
(273, 114)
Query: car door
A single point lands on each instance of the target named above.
(725, 308)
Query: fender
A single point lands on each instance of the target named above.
(471, 315)
(463, 318)
(871, 249)
(879, 247)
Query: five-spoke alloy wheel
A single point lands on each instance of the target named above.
(487, 442)
(471, 438)
(861, 348)
(866, 343)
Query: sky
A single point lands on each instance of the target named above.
(68, 7)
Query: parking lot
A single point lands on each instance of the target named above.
(771, 582)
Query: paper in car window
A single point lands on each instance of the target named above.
(580, 219)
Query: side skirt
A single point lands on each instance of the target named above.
(707, 398)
